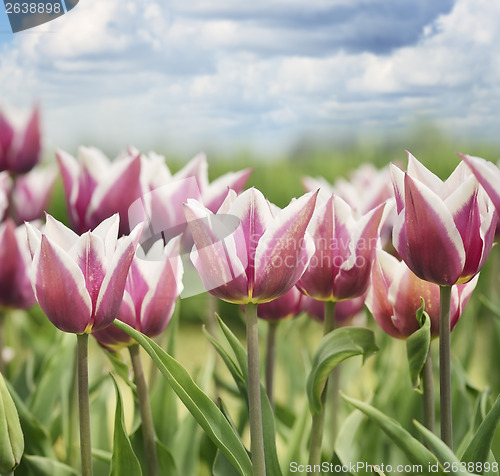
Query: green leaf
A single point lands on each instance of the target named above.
(442, 451)
(415, 451)
(335, 347)
(11, 435)
(37, 439)
(345, 445)
(418, 344)
(124, 461)
(239, 369)
(41, 466)
(204, 410)
(479, 448)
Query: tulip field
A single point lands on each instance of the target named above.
(331, 314)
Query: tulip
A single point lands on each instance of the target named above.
(153, 284)
(96, 188)
(263, 258)
(15, 261)
(395, 296)
(31, 194)
(339, 270)
(79, 283)
(20, 149)
(163, 194)
(79, 280)
(259, 262)
(341, 264)
(444, 230)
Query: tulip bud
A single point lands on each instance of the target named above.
(11, 435)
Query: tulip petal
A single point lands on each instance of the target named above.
(113, 284)
(115, 193)
(60, 289)
(428, 225)
(398, 182)
(29, 153)
(464, 207)
(197, 167)
(220, 262)
(488, 175)
(421, 173)
(255, 214)
(377, 301)
(60, 234)
(284, 251)
(353, 276)
(214, 194)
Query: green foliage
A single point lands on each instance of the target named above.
(418, 345)
(335, 347)
(201, 407)
(124, 461)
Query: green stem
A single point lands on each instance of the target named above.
(84, 404)
(254, 404)
(428, 395)
(318, 421)
(148, 430)
(445, 366)
(270, 359)
(2, 331)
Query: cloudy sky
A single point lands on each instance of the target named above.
(228, 73)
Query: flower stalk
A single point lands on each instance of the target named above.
(84, 404)
(318, 422)
(428, 393)
(148, 431)
(254, 402)
(445, 366)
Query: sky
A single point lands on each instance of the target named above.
(185, 76)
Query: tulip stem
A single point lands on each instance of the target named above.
(428, 395)
(84, 404)
(318, 421)
(445, 366)
(148, 430)
(254, 403)
(271, 359)
(2, 330)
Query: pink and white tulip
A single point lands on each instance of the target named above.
(154, 282)
(96, 188)
(262, 258)
(444, 230)
(20, 148)
(31, 194)
(15, 262)
(341, 264)
(395, 295)
(79, 280)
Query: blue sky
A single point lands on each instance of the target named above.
(227, 73)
